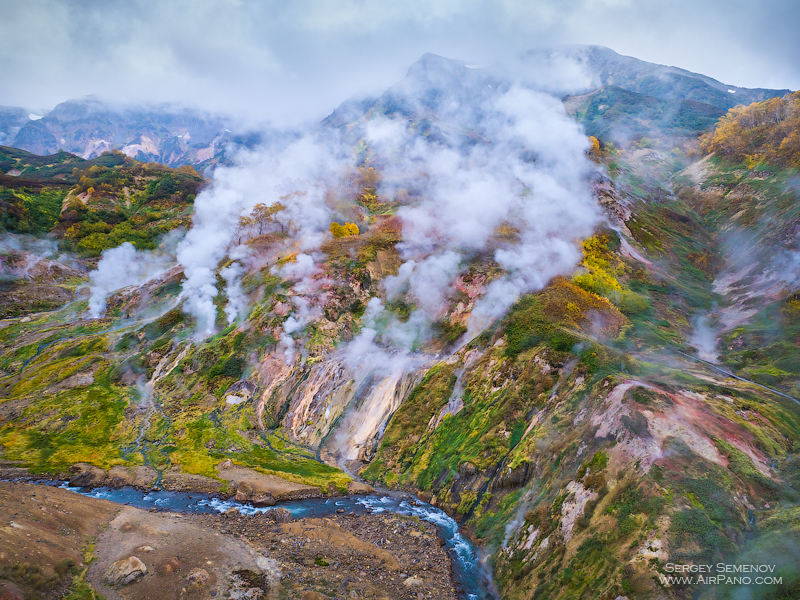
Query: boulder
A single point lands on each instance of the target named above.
(279, 515)
(357, 487)
(413, 582)
(263, 500)
(125, 571)
(144, 477)
(244, 491)
(197, 577)
(119, 477)
(84, 475)
(282, 515)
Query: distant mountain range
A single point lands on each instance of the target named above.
(88, 127)
(668, 83)
(628, 98)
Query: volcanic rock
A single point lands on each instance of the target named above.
(197, 577)
(125, 571)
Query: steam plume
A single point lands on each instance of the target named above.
(121, 267)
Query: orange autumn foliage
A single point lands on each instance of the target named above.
(763, 131)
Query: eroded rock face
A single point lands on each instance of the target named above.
(125, 571)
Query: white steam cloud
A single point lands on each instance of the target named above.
(237, 300)
(479, 170)
(124, 266)
(501, 173)
(297, 176)
(529, 176)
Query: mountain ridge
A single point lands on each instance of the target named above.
(88, 126)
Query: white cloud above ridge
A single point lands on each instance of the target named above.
(295, 61)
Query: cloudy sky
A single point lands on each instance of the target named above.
(289, 60)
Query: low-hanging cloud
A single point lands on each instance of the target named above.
(290, 61)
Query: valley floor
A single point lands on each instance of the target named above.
(51, 535)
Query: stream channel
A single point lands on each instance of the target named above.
(469, 574)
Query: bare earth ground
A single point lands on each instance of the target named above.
(46, 525)
(345, 556)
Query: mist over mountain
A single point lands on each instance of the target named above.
(659, 96)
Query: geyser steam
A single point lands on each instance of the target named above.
(297, 175)
(498, 157)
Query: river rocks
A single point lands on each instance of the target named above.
(371, 555)
(279, 515)
(144, 477)
(125, 571)
(260, 500)
(176, 481)
(246, 493)
(119, 477)
(85, 475)
(197, 577)
(243, 491)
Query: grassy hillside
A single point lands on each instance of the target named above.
(92, 205)
(580, 440)
(618, 115)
